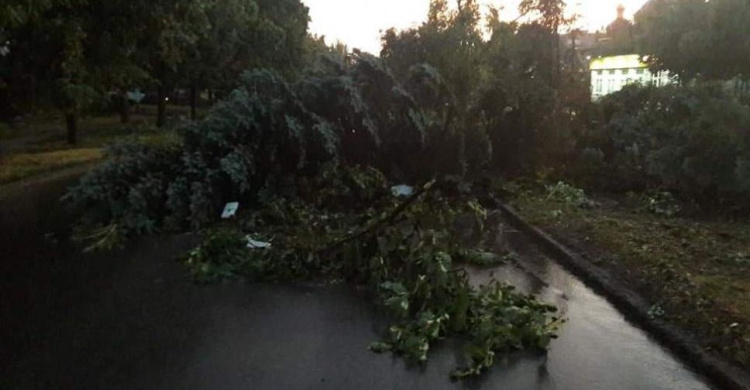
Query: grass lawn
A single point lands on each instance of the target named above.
(38, 145)
(694, 273)
(22, 165)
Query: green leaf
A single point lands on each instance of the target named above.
(380, 347)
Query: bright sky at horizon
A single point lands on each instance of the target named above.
(358, 23)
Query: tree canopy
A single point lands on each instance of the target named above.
(65, 54)
(696, 38)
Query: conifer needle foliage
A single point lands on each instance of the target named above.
(265, 131)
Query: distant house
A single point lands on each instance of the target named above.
(613, 65)
(610, 74)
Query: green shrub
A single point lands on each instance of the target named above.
(567, 195)
(660, 203)
(692, 140)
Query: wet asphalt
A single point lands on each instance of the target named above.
(133, 320)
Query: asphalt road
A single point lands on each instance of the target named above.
(133, 320)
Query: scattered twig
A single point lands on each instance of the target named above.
(385, 220)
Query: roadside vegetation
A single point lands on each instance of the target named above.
(658, 195)
(693, 271)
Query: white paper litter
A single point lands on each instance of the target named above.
(255, 244)
(230, 209)
(402, 190)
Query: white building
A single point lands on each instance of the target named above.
(610, 74)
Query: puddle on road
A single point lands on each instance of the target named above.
(597, 347)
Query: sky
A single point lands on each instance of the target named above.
(358, 23)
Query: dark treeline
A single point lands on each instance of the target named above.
(696, 39)
(71, 55)
(461, 94)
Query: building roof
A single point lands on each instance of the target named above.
(617, 62)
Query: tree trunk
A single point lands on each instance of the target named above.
(558, 69)
(193, 102)
(161, 106)
(462, 158)
(71, 123)
(573, 54)
(124, 107)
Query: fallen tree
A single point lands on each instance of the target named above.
(309, 162)
(407, 254)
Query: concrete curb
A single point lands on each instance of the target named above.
(719, 371)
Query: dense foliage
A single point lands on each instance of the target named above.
(509, 103)
(266, 133)
(404, 252)
(67, 55)
(693, 141)
(696, 38)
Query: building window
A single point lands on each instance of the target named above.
(599, 72)
(612, 71)
(640, 71)
(611, 85)
(599, 85)
(626, 71)
(628, 81)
